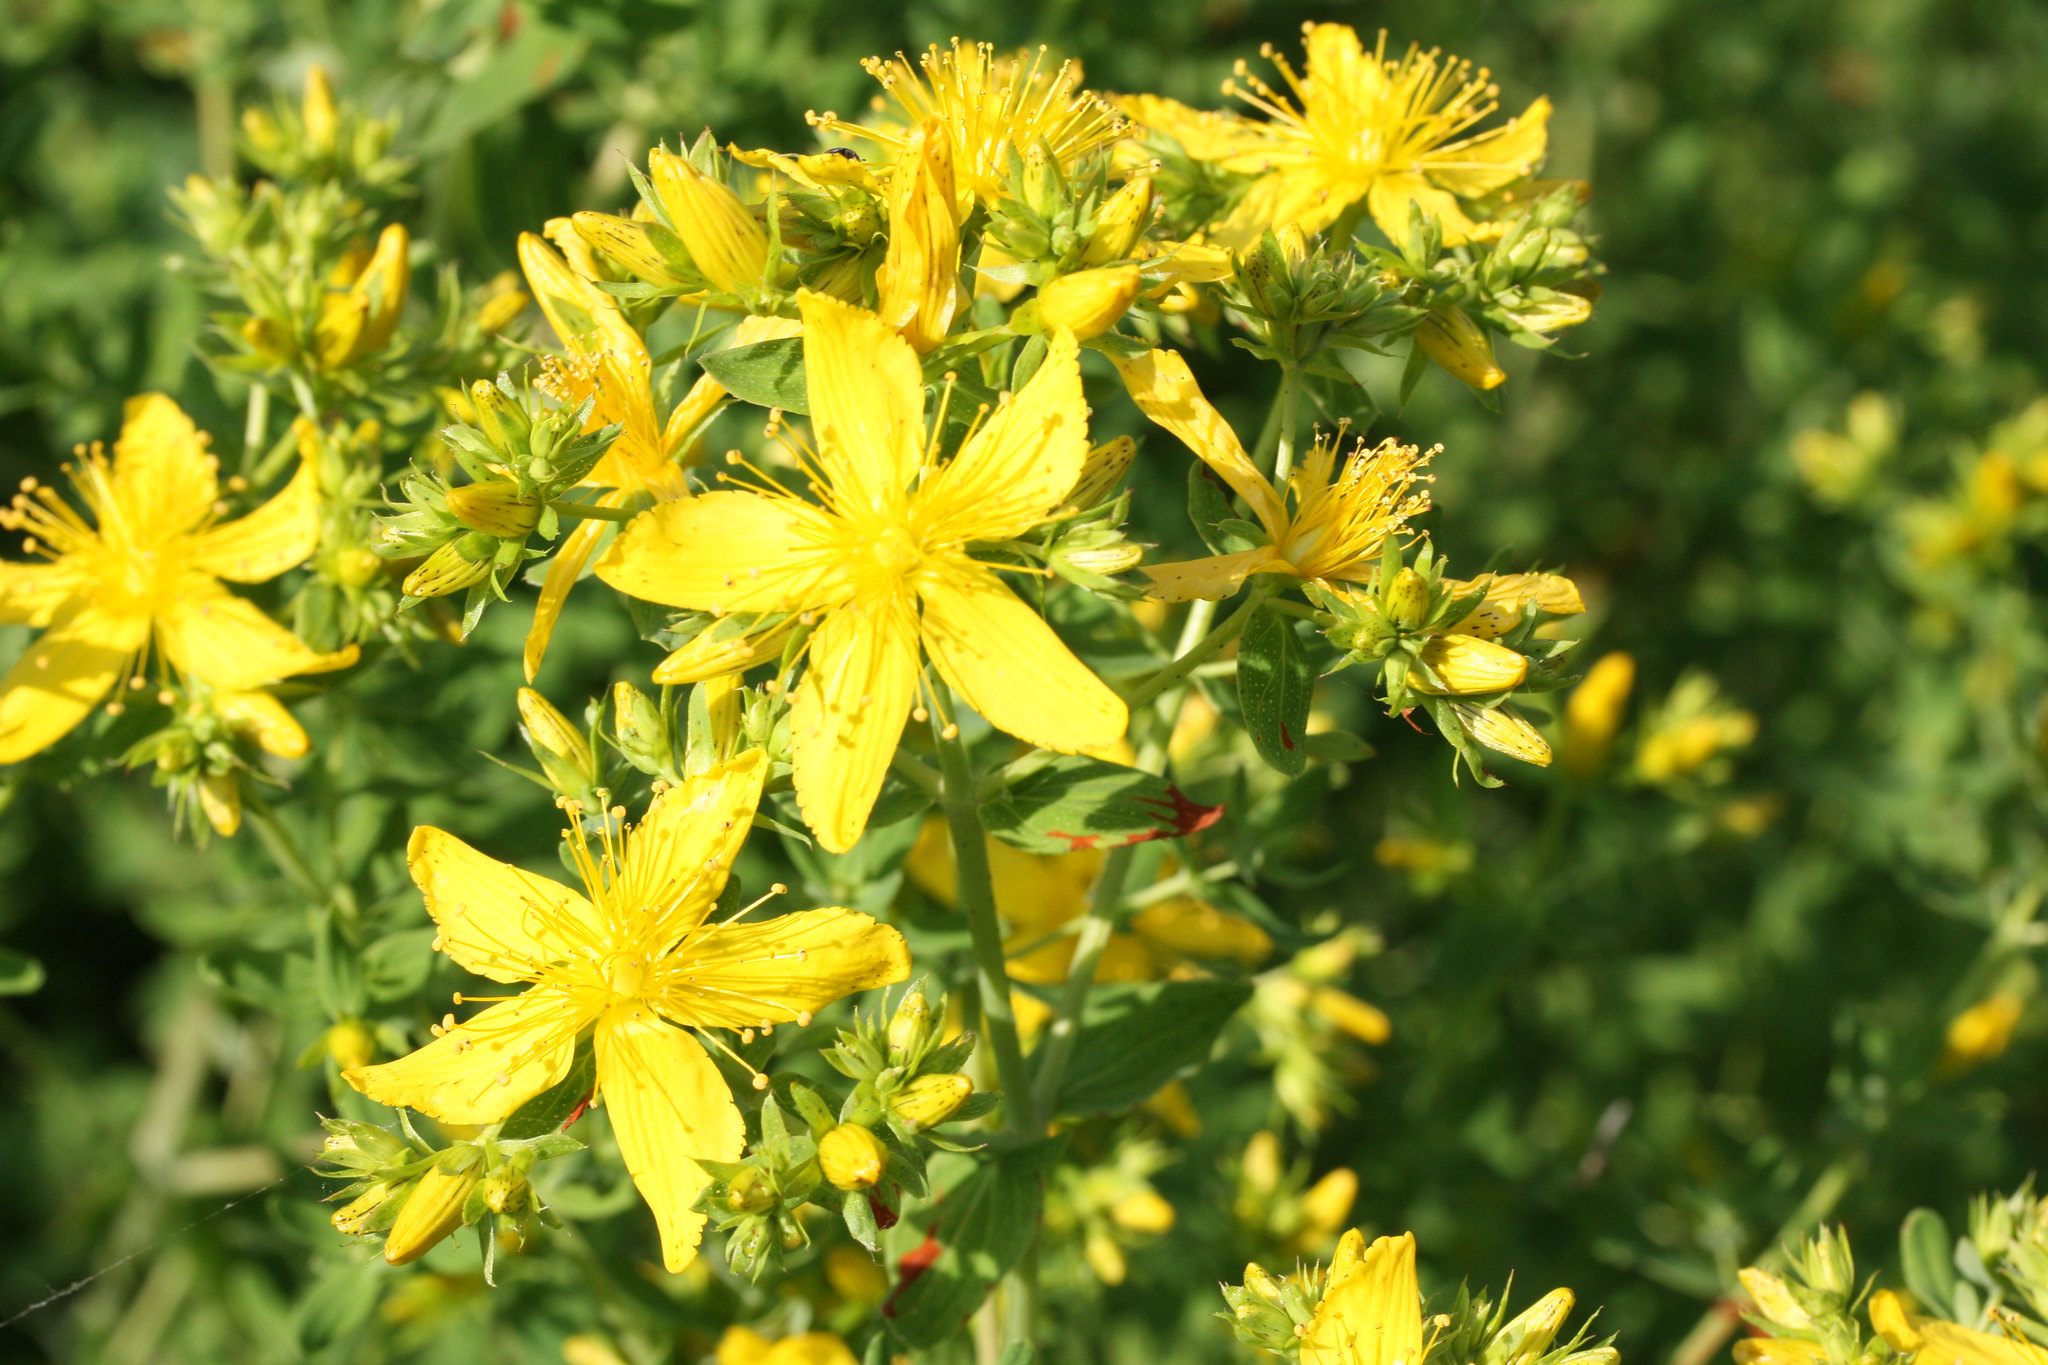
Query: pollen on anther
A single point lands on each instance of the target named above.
(166, 697)
(803, 1018)
(760, 1081)
(746, 1035)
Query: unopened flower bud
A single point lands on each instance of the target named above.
(1464, 665)
(433, 1209)
(1529, 1334)
(724, 240)
(1773, 1299)
(930, 1100)
(1592, 714)
(1453, 340)
(1407, 599)
(1119, 224)
(1143, 1212)
(351, 1044)
(749, 1192)
(1101, 472)
(908, 1024)
(643, 736)
(563, 751)
(447, 570)
(220, 800)
(852, 1157)
(362, 1213)
(497, 509)
(1983, 1031)
(506, 1190)
(1089, 303)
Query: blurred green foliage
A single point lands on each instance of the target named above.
(1638, 1029)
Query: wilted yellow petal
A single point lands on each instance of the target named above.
(1500, 610)
(263, 717)
(496, 920)
(1164, 389)
(1505, 731)
(669, 1109)
(1006, 663)
(918, 283)
(848, 713)
(1214, 578)
(563, 572)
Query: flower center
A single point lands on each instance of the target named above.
(894, 552)
(625, 975)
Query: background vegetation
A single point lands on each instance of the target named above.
(1638, 1027)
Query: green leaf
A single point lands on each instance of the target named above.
(1338, 746)
(985, 1221)
(1274, 685)
(1927, 1256)
(1136, 1038)
(1077, 802)
(768, 374)
(396, 965)
(860, 1220)
(1216, 521)
(551, 1108)
(20, 974)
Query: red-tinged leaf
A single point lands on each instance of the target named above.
(1076, 802)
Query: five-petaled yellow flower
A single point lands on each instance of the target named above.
(1335, 528)
(609, 363)
(638, 962)
(991, 106)
(1360, 125)
(146, 566)
(883, 565)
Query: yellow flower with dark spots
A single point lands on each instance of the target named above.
(144, 566)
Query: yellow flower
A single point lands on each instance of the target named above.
(918, 284)
(1689, 730)
(1371, 1312)
(360, 317)
(1204, 134)
(1357, 125)
(1592, 714)
(1335, 528)
(884, 563)
(1982, 1032)
(990, 106)
(1931, 1341)
(635, 961)
(745, 1346)
(147, 566)
(610, 363)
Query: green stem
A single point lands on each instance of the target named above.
(1193, 656)
(284, 849)
(1283, 457)
(590, 511)
(918, 774)
(975, 897)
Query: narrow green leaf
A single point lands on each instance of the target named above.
(1137, 1038)
(1926, 1255)
(985, 1220)
(1274, 685)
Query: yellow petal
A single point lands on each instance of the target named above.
(1505, 731)
(281, 534)
(731, 551)
(1497, 157)
(62, 677)
(1779, 1351)
(678, 857)
(669, 1109)
(1946, 1343)
(382, 285)
(918, 284)
(1388, 202)
(1005, 662)
(725, 241)
(212, 634)
(746, 975)
(163, 477)
(1164, 389)
(564, 571)
(1308, 198)
(708, 657)
(1373, 1316)
(1214, 578)
(263, 717)
(1466, 664)
(867, 403)
(496, 920)
(1021, 464)
(742, 1346)
(585, 317)
(1500, 611)
(32, 594)
(485, 1067)
(848, 713)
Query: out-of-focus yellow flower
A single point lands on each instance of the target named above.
(745, 1346)
(1203, 134)
(1340, 516)
(1838, 466)
(854, 1276)
(884, 563)
(991, 106)
(636, 962)
(1356, 125)
(360, 315)
(1932, 1341)
(1430, 863)
(1689, 730)
(147, 568)
(1983, 1031)
(1593, 712)
(589, 1350)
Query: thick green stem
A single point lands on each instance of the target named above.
(975, 897)
(1283, 456)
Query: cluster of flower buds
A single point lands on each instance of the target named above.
(906, 1073)
(1812, 1300)
(523, 454)
(320, 140)
(690, 238)
(1087, 546)
(201, 756)
(1300, 301)
(1460, 648)
(1480, 1330)
(1272, 1313)
(755, 1201)
(416, 1196)
(1110, 1208)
